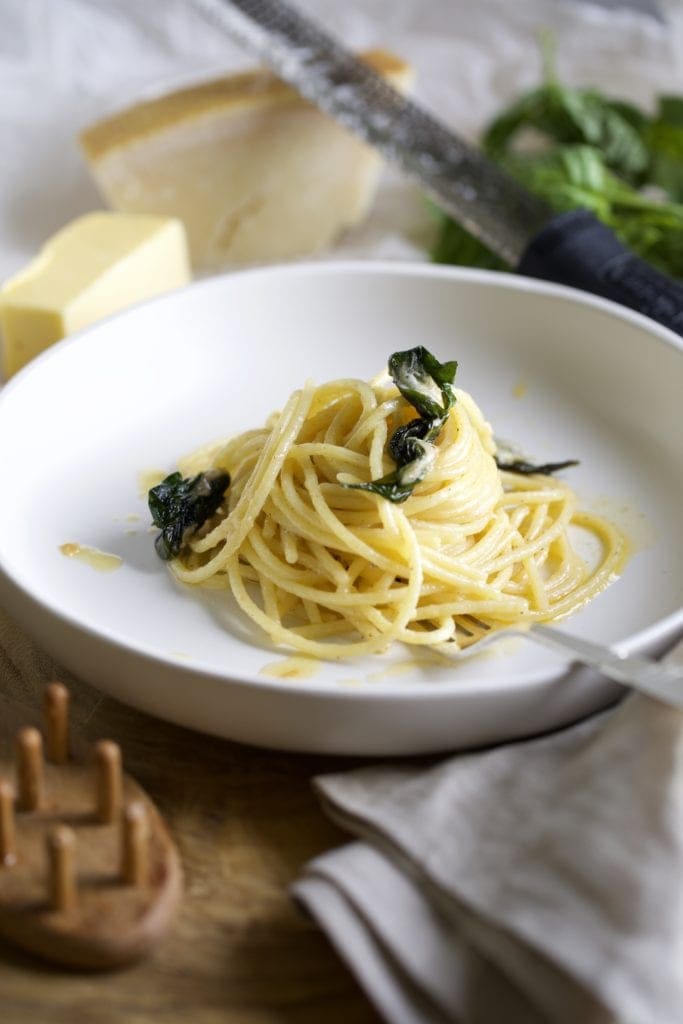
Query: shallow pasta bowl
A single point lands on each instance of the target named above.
(561, 374)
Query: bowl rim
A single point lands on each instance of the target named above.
(508, 280)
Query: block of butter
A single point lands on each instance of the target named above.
(255, 172)
(96, 265)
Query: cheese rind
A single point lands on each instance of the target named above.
(255, 172)
(95, 266)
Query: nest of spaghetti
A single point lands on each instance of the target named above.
(329, 566)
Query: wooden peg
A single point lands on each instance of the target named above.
(30, 768)
(108, 781)
(80, 891)
(61, 846)
(135, 844)
(8, 848)
(56, 711)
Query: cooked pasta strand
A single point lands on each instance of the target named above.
(336, 572)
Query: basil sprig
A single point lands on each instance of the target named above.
(179, 506)
(427, 385)
(605, 155)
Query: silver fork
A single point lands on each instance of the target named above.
(663, 680)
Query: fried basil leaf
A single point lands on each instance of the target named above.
(423, 381)
(179, 506)
(402, 443)
(528, 468)
(387, 487)
(398, 485)
(428, 385)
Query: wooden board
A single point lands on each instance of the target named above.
(245, 821)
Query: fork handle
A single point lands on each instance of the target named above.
(656, 679)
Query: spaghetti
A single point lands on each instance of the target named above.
(334, 571)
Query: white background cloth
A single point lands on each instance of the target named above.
(64, 63)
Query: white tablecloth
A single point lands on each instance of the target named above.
(63, 63)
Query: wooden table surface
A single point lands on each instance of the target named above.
(245, 822)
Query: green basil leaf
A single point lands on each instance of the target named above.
(670, 110)
(664, 137)
(569, 116)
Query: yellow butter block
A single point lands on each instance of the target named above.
(256, 173)
(95, 266)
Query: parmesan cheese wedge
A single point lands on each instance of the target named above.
(256, 173)
(95, 266)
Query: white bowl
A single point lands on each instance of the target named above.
(563, 374)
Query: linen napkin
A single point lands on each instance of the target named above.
(537, 881)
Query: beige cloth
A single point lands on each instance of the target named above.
(540, 881)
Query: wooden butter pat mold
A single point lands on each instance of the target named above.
(89, 876)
